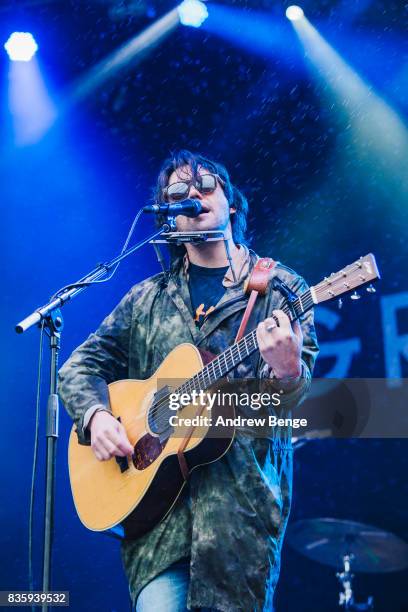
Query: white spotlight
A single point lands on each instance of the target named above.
(192, 13)
(21, 46)
(294, 13)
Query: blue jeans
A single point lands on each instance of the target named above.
(168, 591)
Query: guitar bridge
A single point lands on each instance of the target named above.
(123, 463)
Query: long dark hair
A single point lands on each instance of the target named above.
(235, 198)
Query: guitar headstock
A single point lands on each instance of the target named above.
(362, 271)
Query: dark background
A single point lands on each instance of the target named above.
(321, 194)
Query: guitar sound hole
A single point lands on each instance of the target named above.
(147, 450)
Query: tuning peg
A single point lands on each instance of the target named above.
(340, 303)
(371, 289)
(355, 296)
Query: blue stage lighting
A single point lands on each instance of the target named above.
(21, 46)
(192, 13)
(293, 13)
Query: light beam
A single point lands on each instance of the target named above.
(375, 133)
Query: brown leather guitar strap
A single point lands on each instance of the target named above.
(256, 284)
(180, 451)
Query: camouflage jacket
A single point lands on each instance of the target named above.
(231, 518)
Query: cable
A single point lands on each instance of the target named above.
(35, 457)
(103, 280)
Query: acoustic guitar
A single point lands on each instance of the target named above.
(138, 491)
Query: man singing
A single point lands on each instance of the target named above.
(219, 547)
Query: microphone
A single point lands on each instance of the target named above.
(188, 208)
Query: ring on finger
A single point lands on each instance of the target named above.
(271, 326)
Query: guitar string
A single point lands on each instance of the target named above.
(232, 357)
(305, 301)
(229, 357)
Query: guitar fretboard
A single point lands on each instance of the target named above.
(234, 355)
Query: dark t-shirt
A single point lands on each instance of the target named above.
(206, 289)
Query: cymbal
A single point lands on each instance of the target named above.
(327, 540)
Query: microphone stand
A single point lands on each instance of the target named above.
(50, 317)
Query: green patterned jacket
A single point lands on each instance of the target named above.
(232, 516)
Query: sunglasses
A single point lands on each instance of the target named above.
(204, 183)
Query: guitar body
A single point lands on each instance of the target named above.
(140, 491)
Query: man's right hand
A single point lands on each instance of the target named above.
(108, 437)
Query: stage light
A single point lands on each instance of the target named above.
(294, 13)
(21, 47)
(192, 13)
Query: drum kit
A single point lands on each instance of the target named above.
(346, 546)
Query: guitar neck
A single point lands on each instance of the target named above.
(234, 355)
(359, 273)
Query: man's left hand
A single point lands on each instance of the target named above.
(281, 345)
